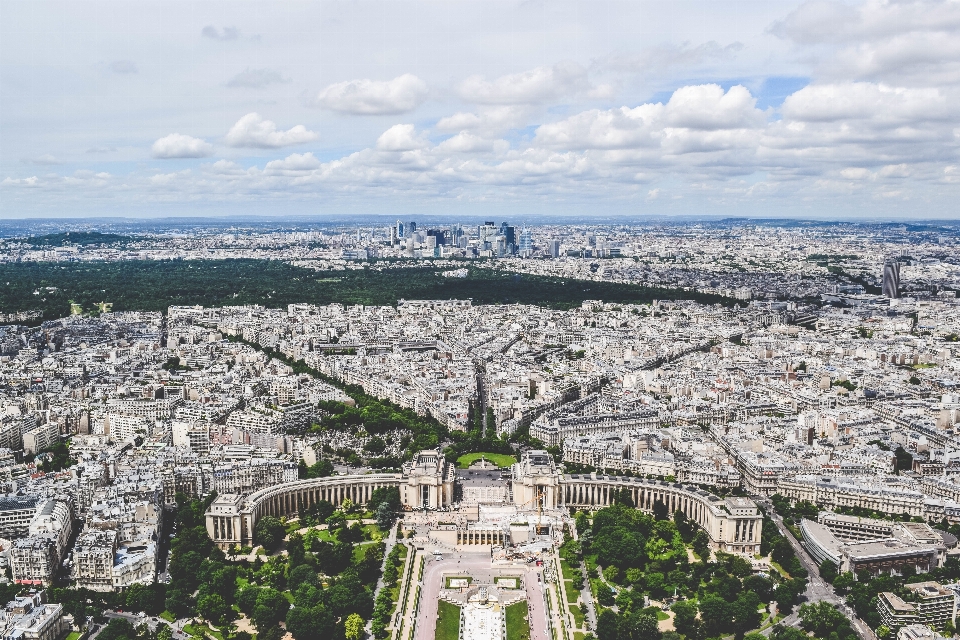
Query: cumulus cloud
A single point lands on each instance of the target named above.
(294, 164)
(123, 67)
(32, 181)
(253, 131)
(256, 78)
(700, 108)
(227, 33)
(529, 87)
(912, 41)
(487, 120)
(177, 145)
(374, 97)
(865, 100)
(465, 142)
(401, 137)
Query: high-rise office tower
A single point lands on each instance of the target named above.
(526, 241)
(891, 279)
(399, 229)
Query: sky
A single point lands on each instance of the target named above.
(334, 108)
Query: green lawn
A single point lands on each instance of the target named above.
(448, 621)
(517, 626)
(572, 592)
(569, 573)
(73, 635)
(661, 615)
(169, 617)
(577, 615)
(499, 459)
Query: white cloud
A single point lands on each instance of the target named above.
(689, 121)
(294, 164)
(253, 131)
(465, 142)
(864, 100)
(488, 120)
(374, 97)
(707, 106)
(256, 78)
(32, 181)
(912, 42)
(529, 87)
(856, 173)
(177, 145)
(401, 137)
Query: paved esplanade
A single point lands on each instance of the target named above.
(478, 563)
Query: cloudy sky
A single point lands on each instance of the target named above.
(713, 107)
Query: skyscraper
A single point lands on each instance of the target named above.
(526, 241)
(399, 229)
(891, 279)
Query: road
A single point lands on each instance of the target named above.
(817, 589)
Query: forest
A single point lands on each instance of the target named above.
(154, 285)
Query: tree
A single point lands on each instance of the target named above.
(843, 582)
(624, 497)
(353, 627)
(214, 608)
(385, 495)
(660, 510)
(787, 593)
(716, 615)
(269, 532)
(883, 631)
(685, 617)
(828, 571)
(314, 623)
(385, 516)
(701, 545)
(178, 602)
(352, 534)
(640, 625)
(301, 574)
(821, 618)
(760, 585)
(608, 625)
(904, 459)
(270, 609)
(118, 629)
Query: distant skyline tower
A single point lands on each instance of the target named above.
(526, 240)
(399, 229)
(891, 279)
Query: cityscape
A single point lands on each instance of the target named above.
(473, 320)
(759, 433)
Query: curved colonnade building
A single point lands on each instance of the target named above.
(427, 482)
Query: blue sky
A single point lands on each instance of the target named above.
(571, 108)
